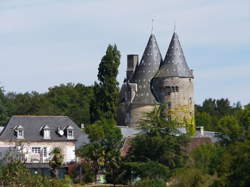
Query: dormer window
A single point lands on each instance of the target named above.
(19, 132)
(46, 132)
(70, 132)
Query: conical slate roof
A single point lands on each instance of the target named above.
(145, 71)
(174, 64)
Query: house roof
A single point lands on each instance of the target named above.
(1, 129)
(174, 64)
(32, 126)
(145, 71)
(129, 131)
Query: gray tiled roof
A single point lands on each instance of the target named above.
(128, 131)
(145, 71)
(32, 126)
(210, 134)
(174, 64)
(1, 129)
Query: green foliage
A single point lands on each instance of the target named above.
(163, 147)
(70, 100)
(191, 177)
(14, 173)
(3, 108)
(149, 170)
(103, 151)
(230, 129)
(207, 158)
(235, 165)
(106, 91)
(204, 119)
(56, 160)
(150, 183)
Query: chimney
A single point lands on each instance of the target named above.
(132, 62)
(201, 130)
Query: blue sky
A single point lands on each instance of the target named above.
(44, 43)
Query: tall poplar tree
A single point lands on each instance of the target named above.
(106, 90)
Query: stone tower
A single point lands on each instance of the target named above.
(136, 97)
(173, 85)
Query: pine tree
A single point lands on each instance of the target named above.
(106, 90)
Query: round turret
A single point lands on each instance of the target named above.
(173, 86)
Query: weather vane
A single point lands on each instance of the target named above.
(152, 28)
(174, 26)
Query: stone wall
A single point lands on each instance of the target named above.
(139, 113)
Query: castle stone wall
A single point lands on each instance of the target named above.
(139, 113)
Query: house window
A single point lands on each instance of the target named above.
(36, 150)
(20, 133)
(173, 89)
(177, 89)
(1, 154)
(45, 152)
(46, 134)
(70, 133)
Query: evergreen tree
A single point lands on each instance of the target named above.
(160, 143)
(106, 91)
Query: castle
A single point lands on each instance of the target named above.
(155, 81)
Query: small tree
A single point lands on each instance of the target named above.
(103, 151)
(56, 160)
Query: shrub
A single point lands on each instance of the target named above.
(150, 183)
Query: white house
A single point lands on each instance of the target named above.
(34, 137)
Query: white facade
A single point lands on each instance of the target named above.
(38, 152)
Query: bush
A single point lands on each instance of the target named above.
(150, 183)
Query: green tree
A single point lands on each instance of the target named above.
(106, 91)
(234, 168)
(191, 177)
(3, 108)
(56, 160)
(103, 151)
(206, 157)
(164, 144)
(230, 130)
(204, 119)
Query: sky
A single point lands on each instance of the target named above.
(44, 43)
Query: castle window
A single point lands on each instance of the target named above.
(169, 93)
